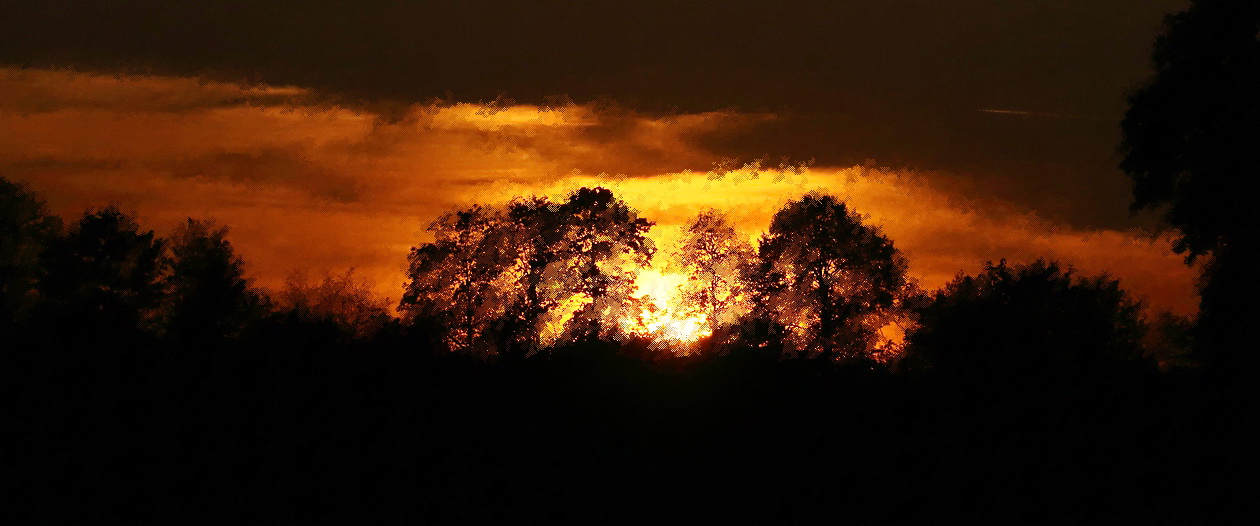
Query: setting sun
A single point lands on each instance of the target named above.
(665, 316)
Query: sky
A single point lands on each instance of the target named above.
(328, 135)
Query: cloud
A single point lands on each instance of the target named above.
(45, 90)
(312, 184)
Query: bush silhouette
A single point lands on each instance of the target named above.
(1038, 321)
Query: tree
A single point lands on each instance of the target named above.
(517, 279)
(207, 297)
(601, 242)
(26, 228)
(1189, 144)
(453, 279)
(1034, 321)
(829, 280)
(105, 276)
(714, 258)
(535, 229)
(345, 300)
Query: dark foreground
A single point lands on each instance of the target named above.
(291, 430)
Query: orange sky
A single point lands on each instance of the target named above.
(309, 184)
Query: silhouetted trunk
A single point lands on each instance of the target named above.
(826, 322)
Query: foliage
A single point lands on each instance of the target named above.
(1169, 342)
(207, 296)
(299, 419)
(1034, 321)
(106, 273)
(532, 274)
(831, 281)
(452, 279)
(26, 228)
(1190, 147)
(1190, 133)
(344, 300)
(593, 247)
(715, 260)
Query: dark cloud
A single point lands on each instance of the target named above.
(274, 167)
(902, 82)
(895, 83)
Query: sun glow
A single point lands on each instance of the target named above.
(663, 315)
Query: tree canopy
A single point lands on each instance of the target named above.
(534, 272)
(714, 258)
(1033, 321)
(208, 296)
(106, 273)
(828, 279)
(1190, 133)
(26, 229)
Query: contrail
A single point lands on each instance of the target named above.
(1039, 114)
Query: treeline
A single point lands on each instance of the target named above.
(146, 381)
(503, 282)
(532, 276)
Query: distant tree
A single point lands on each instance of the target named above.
(601, 244)
(105, 275)
(508, 280)
(1035, 321)
(26, 228)
(715, 258)
(453, 279)
(344, 300)
(830, 281)
(535, 229)
(208, 297)
(1190, 146)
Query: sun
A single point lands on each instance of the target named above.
(662, 315)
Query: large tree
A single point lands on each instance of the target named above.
(1192, 147)
(576, 271)
(831, 281)
(538, 272)
(601, 245)
(452, 280)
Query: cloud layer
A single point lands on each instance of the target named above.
(306, 183)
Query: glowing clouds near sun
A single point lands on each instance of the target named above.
(665, 317)
(308, 183)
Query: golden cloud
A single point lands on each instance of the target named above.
(315, 185)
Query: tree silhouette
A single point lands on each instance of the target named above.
(26, 229)
(828, 279)
(342, 299)
(105, 274)
(1190, 147)
(535, 230)
(453, 279)
(1035, 321)
(602, 243)
(207, 296)
(715, 260)
(502, 280)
